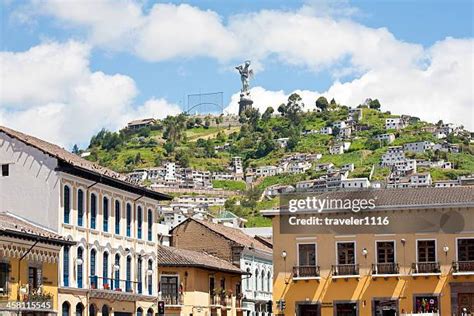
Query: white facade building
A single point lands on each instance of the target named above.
(418, 147)
(355, 183)
(389, 137)
(393, 155)
(326, 130)
(394, 123)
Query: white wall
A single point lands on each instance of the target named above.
(32, 188)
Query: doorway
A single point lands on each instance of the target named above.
(465, 303)
(345, 309)
(308, 310)
(385, 307)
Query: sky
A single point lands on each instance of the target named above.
(71, 68)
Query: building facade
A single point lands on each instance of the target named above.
(379, 273)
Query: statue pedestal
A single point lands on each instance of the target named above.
(244, 103)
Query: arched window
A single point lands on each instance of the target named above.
(262, 286)
(105, 214)
(139, 274)
(67, 204)
(66, 308)
(269, 282)
(80, 207)
(66, 266)
(105, 270)
(93, 261)
(117, 217)
(79, 309)
(256, 280)
(150, 224)
(150, 277)
(139, 311)
(92, 310)
(93, 210)
(129, 220)
(105, 310)
(247, 282)
(149, 312)
(139, 222)
(117, 271)
(79, 264)
(128, 268)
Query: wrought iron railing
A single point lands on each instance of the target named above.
(117, 285)
(385, 268)
(463, 266)
(425, 267)
(305, 271)
(345, 269)
(172, 299)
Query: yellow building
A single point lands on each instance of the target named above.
(420, 261)
(29, 257)
(198, 284)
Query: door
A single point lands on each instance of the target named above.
(308, 310)
(346, 309)
(465, 303)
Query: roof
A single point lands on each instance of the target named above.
(177, 257)
(404, 198)
(15, 226)
(234, 234)
(74, 164)
(141, 121)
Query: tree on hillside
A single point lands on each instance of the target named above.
(374, 104)
(250, 117)
(174, 128)
(293, 109)
(267, 114)
(182, 157)
(322, 103)
(75, 149)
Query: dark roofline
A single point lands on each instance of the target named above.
(202, 266)
(33, 237)
(66, 167)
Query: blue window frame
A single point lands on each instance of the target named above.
(105, 269)
(80, 259)
(66, 266)
(117, 217)
(129, 220)
(128, 285)
(93, 210)
(117, 272)
(79, 309)
(105, 214)
(93, 268)
(150, 224)
(80, 207)
(139, 222)
(150, 278)
(67, 204)
(139, 275)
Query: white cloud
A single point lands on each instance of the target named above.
(50, 92)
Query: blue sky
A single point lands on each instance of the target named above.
(145, 64)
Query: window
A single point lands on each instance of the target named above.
(256, 280)
(66, 266)
(385, 252)
(93, 210)
(128, 285)
(426, 250)
(105, 214)
(66, 307)
(79, 267)
(139, 274)
(92, 267)
(150, 277)
(169, 286)
(4, 275)
(262, 287)
(67, 204)
(269, 280)
(150, 225)
(212, 285)
(105, 310)
(306, 254)
(5, 170)
(139, 311)
(426, 304)
(79, 309)
(35, 277)
(129, 220)
(80, 207)
(92, 310)
(345, 253)
(105, 270)
(466, 249)
(139, 222)
(117, 271)
(117, 217)
(149, 312)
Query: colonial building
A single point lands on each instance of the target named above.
(29, 256)
(422, 263)
(196, 283)
(112, 269)
(231, 244)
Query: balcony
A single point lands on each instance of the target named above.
(463, 267)
(115, 288)
(346, 270)
(221, 300)
(306, 272)
(425, 268)
(175, 299)
(385, 268)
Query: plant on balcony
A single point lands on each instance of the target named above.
(40, 297)
(229, 293)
